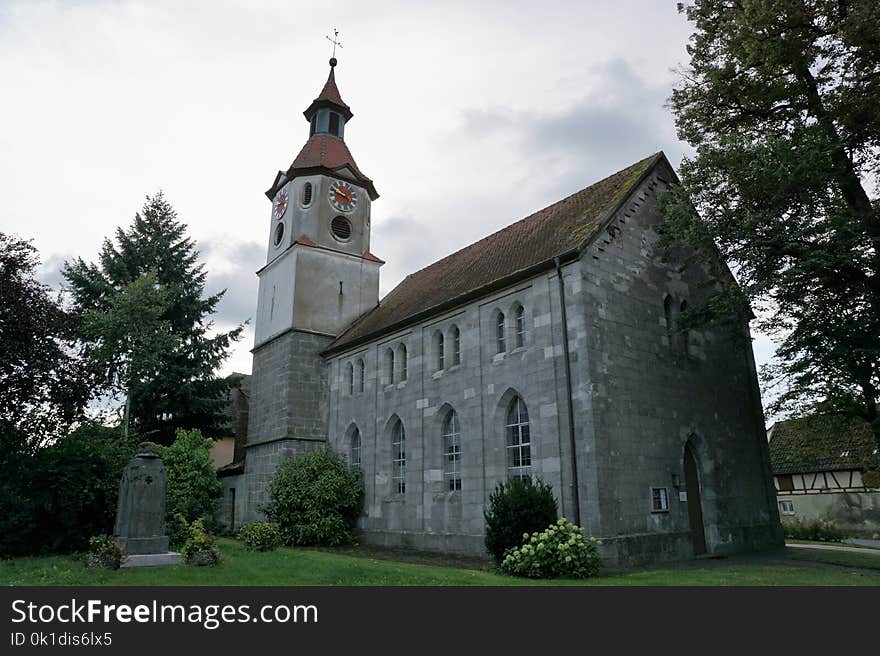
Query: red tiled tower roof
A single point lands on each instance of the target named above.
(325, 152)
(329, 96)
(328, 152)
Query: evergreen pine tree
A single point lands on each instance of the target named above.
(183, 391)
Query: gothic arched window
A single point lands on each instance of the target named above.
(401, 355)
(360, 376)
(398, 457)
(519, 316)
(456, 345)
(349, 378)
(452, 451)
(500, 333)
(519, 443)
(389, 366)
(356, 448)
(438, 350)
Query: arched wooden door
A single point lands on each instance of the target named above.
(695, 505)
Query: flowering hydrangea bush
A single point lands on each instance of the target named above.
(561, 550)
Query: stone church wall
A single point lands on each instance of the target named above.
(651, 393)
(479, 389)
(288, 408)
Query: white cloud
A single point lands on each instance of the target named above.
(467, 115)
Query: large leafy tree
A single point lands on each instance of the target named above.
(43, 385)
(168, 377)
(780, 102)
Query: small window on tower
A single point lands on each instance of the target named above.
(341, 228)
(279, 233)
(314, 124)
(334, 124)
(307, 194)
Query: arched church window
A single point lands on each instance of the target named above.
(341, 228)
(452, 451)
(349, 379)
(334, 124)
(438, 350)
(398, 457)
(456, 345)
(314, 125)
(519, 443)
(356, 448)
(307, 194)
(279, 233)
(401, 356)
(389, 366)
(500, 333)
(360, 376)
(520, 319)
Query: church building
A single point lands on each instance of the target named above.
(549, 349)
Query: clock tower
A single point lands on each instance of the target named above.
(318, 278)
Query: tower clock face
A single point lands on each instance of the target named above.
(279, 206)
(342, 196)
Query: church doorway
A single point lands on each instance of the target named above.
(695, 506)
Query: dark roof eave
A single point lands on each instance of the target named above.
(320, 104)
(495, 285)
(292, 173)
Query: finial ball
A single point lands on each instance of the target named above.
(333, 61)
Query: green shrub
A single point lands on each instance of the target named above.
(53, 498)
(559, 550)
(260, 536)
(193, 488)
(871, 478)
(315, 499)
(105, 551)
(199, 547)
(820, 530)
(517, 507)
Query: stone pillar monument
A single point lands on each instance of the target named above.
(140, 513)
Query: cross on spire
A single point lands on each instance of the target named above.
(334, 39)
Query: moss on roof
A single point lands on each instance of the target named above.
(821, 443)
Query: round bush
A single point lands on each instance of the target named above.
(315, 499)
(871, 478)
(106, 552)
(199, 547)
(260, 536)
(561, 550)
(517, 507)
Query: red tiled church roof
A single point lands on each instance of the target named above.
(328, 152)
(554, 231)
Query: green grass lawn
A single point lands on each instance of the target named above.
(323, 567)
(832, 544)
(842, 558)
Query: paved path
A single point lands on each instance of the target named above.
(834, 547)
(863, 542)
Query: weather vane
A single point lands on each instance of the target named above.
(335, 41)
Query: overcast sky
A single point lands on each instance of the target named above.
(467, 115)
